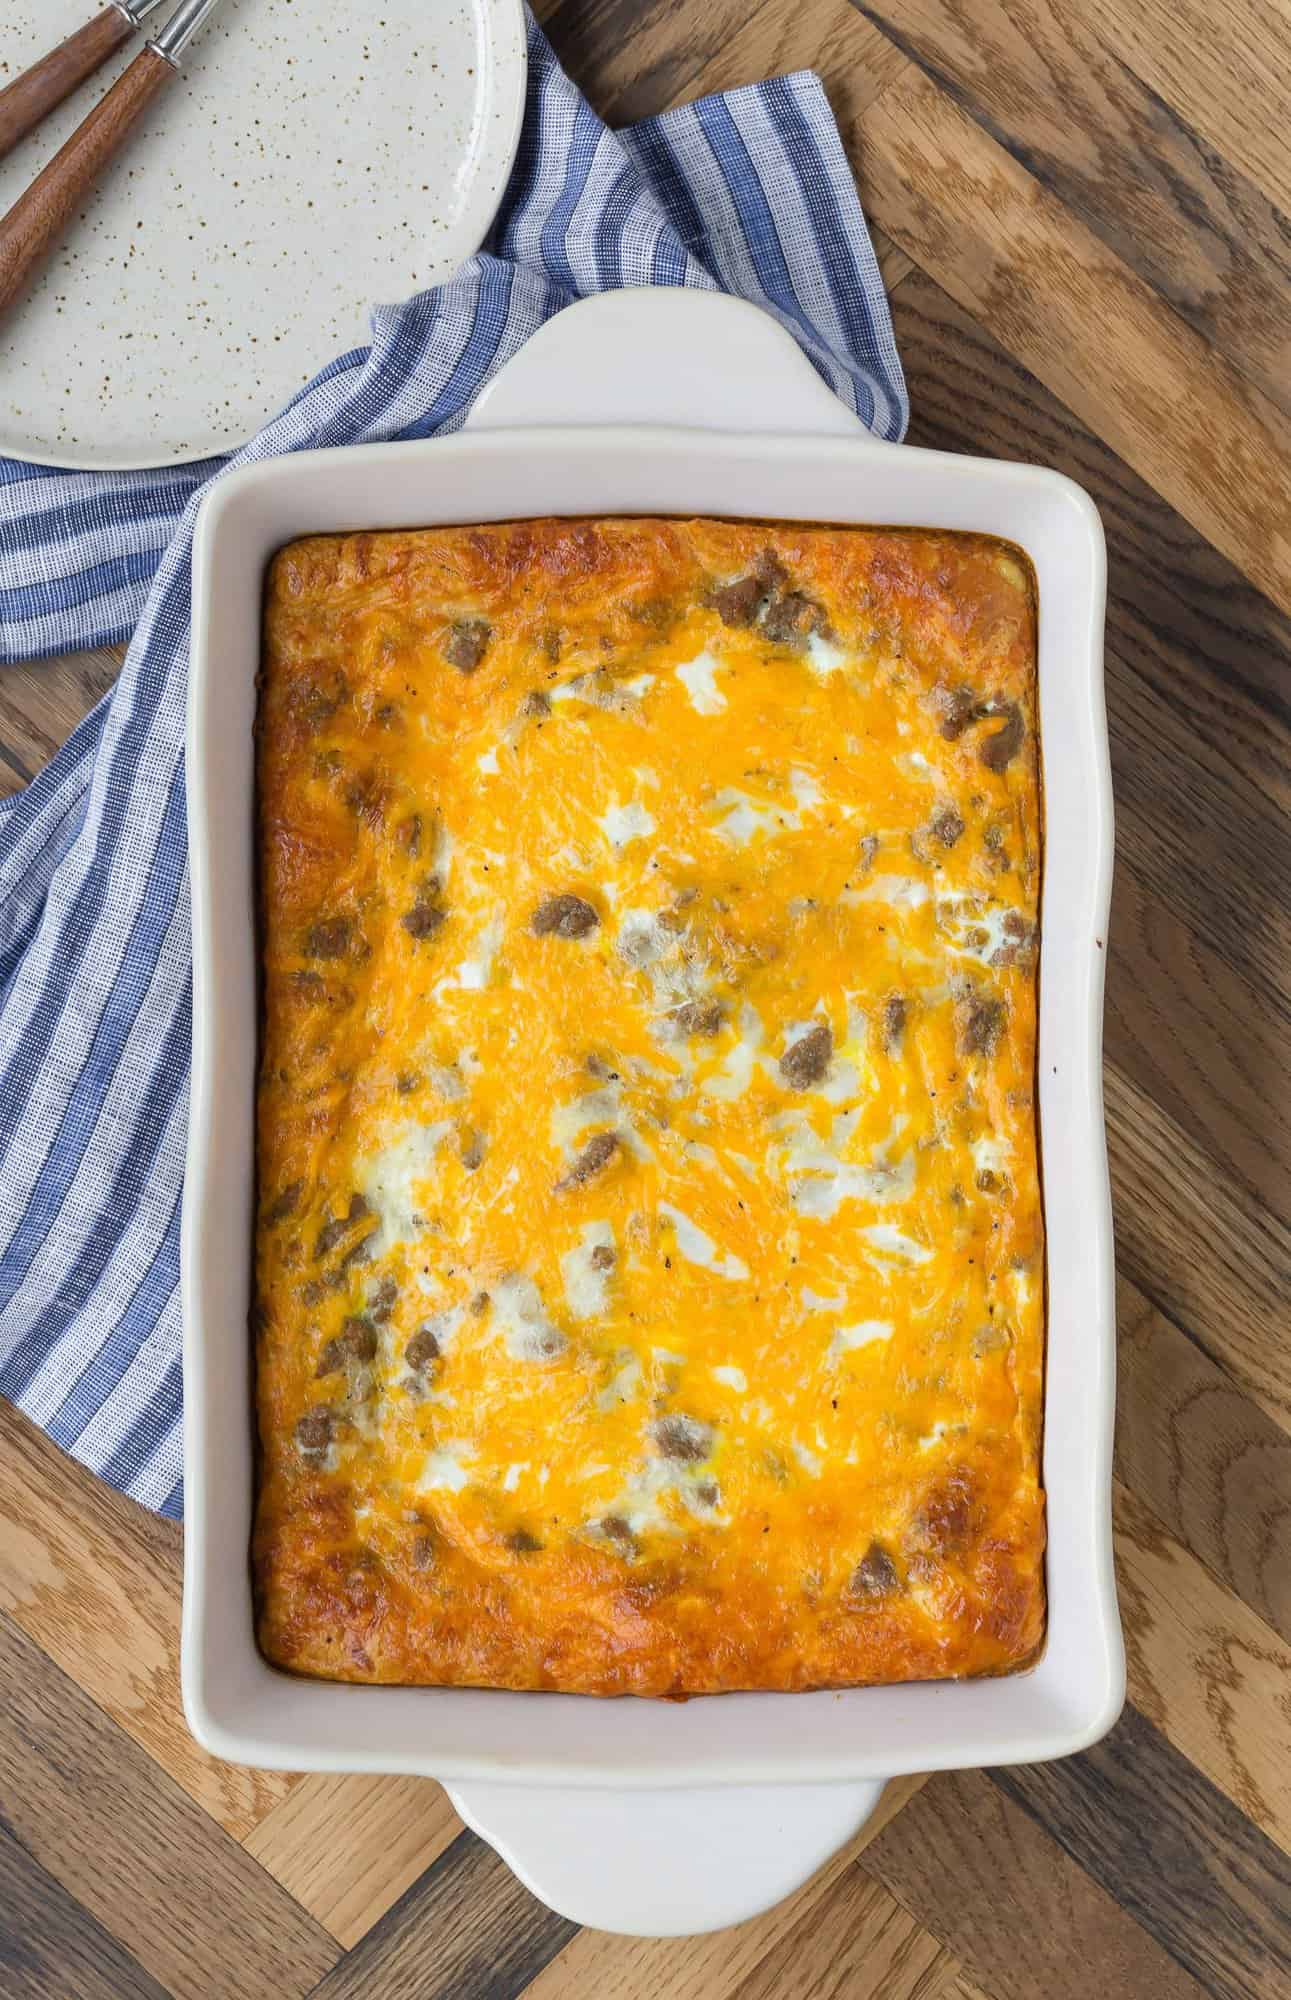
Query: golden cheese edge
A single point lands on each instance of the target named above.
(649, 1264)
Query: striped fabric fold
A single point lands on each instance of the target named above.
(750, 193)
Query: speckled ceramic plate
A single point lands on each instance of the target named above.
(314, 158)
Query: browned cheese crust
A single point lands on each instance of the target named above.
(649, 1255)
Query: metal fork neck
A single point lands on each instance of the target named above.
(135, 11)
(179, 30)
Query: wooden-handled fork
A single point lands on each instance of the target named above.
(39, 216)
(40, 89)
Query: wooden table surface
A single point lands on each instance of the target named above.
(1082, 212)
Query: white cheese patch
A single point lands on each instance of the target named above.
(473, 972)
(444, 1325)
(642, 939)
(389, 1181)
(823, 656)
(476, 969)
(655, 1479)
(587, 1287)
(891, 1243)
(806, 1459)
(975, 930)
(594, 1107)
(638, 1504)
(820, 1175)
(991, 1155)
(367, 1417)
(861, 1334)
(576, 689)
(731, 1378)
(511, 1478)
(903, 892)
(444, 1470)
(820, 1302)
(667, 1358)
(624, 1386)
(622, 824)
(698, 1248)
(858, 1023)
(821, 1194)
(742, 817)
(639, 685)
(390, 1345)
(807, 793)
(521, 1318)
(488, 762)
(735, 1072)
(699, 678)
(841, 1085)
(742, 820)
(446, 1081)
(697, 1497)
(442, 858)
(603, 1108)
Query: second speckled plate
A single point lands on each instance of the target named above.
(313, 159)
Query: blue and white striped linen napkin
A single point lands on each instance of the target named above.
(749, 193)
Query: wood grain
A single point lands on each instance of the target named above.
(1212, 1467)
(1205, 1670)
(41, 215)
(51, 1945)
(347, 1847)
(1169, 1196)
(1218, 674)
(34, 94)
(640, 59)
(1238, 99)
(993, 238)
(1053, 86)
(95, 1582)
(467, 1927)
(855, 1942)
(1142, 1822)
(99, 1815)
(41, 704)
(1209, 1048)
(1020, 1914)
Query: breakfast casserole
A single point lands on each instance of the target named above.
(649, 1259)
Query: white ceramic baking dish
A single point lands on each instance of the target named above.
(654, 1817)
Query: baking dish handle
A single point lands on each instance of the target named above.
(661, 354)
(665, 1863)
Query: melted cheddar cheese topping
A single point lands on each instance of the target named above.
(649, 1257)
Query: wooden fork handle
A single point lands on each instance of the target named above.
(38, 218)
(31, 96)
